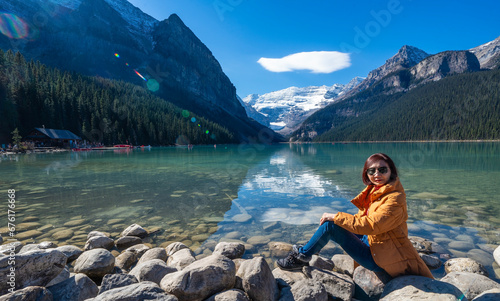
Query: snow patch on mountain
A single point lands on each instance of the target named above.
(139, 21)
(284, 110)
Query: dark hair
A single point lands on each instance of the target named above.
(379, 157)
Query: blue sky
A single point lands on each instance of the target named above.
(264, 46)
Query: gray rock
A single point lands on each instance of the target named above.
(35, 268)
(64, 275)
(181, 259)
(431, 261)
(372, 284)
(41, 246)
(139, 249)
(489, 295)
(127, 241)
(72, 252)
(336, 284)
(470, 283)
(321, 263)
(201, 279)
(343, 264)
(137, 291)
(287, 278)
(95, 263)
(111, 281)
(257, 280)
(154, 253)
(135, 230)
(309, 290)
(410, 288)
(96, 242)
(421, 244)
(11, 248)
(229, 295)
(152, 270)
(30, 293)
(96, 233)
(125, 260)
(174, 247)
(232, 250)
(496, 255)
(461, 245)
(76, 288)
(464, 265)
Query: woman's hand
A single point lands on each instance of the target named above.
(327, 217)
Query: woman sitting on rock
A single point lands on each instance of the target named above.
(377, 236)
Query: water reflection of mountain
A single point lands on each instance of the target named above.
(282, 189)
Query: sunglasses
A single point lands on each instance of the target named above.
(381, 170)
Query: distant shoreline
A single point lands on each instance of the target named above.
(396, 141)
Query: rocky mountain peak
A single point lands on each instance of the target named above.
(488, 53)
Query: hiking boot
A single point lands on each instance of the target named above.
(294, 260)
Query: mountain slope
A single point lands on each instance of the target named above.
(488, 53)
(347, 116)
(407, 56)
(114, 39)
(459, 107)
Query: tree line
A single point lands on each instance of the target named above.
(96, 109)
(459, 107)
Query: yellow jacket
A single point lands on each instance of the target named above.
(385, 225)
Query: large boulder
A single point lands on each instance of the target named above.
(127, 241)
(125, 260)
(257, 280)
(111, 281)
(95, 263)
(321, 263)
(464, 265)
(343, 264)
(308, 290)
(30, 293)
(138, 291)
(135, 230)
(231, 250)
(152, 270)
(410, 288)
(201, 279)
(471, 284)
(181, 258)
(229, 295)
(96, 242)
(372, 284)
(287, 278)
(154, 253)
(77, 288)
(34, 268)
(336, 284)
(72, 252)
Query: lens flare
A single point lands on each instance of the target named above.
(117, 55)
(185, 113)
(193, 119)
(140, 75)
(13, 27)
(153, 85)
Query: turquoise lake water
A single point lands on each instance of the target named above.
(253, 194)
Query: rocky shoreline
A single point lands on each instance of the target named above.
(127, 269)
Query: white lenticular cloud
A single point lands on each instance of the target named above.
(315, 61)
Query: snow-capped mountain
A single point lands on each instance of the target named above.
(284, 110)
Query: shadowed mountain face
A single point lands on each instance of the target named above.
(114, 39)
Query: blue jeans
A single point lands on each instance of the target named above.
(355, 245)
